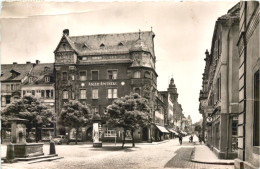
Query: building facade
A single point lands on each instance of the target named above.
(248, 125)
(97, 69)
(40, 84)
(219, 96)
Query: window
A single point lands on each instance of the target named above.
(48, 93)
(111, 93)
(51, 93)
(12, 87)
(112, 74)
(72, 77)
(33, 92)
(47, 79)
(84, 58)
(42, 93)
(83, 94)
(3, 101)
(23, 92)
(95, 94)
(110, 133)
(17, 87)
(256, 109)
(137, 74)
(94, 110)
(137, 90)
(82, 75)
(94, 75)
(7, 99)
(147, 75)
(102, 45)
(64, 76)
(73, 95)
(8, 87)
(30, 79)
(218, 89)
(65, 94)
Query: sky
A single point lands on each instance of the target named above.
(183, 31)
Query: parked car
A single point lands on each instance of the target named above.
(60, 139)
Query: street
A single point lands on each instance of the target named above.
(168, 154)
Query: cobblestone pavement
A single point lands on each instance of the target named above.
(143, 156)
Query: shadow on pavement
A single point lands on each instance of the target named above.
(113, 148)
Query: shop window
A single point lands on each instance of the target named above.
(112, 74)
(94, 75)
(83, 94)
(95, 94)
(64, 76)
(82, 75)
(256, 109)
(65, 94)
(137, 74)
(111, 93)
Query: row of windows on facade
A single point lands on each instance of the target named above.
(46, 79)
(40, 93)
(111, 94)
(11, 87)
(111, 74)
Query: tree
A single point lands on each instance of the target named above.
(31, 109)
(129, 113)
(74, 115)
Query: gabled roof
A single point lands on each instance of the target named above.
(111, 43)
(7, 69)
(38, 73)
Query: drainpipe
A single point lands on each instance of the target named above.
(228, 90)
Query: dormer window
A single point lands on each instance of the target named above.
(46, 69)
(30, 79)
(84, 46)
(120, 44)
(47, 79)
(102, 45)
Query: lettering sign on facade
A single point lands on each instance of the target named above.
(102, 84)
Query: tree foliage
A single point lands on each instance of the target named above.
(130, 113)
(31, 109)
(74, 115)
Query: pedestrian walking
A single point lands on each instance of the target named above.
(180, 139)
(200, 139)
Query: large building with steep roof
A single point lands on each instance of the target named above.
(96, 69)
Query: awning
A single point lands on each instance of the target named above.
(171, 130)
(162, 129)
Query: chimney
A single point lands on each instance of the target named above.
(37, 62)
(28, 62)
(14, 63)
(66, 32)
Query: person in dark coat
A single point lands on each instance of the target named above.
(180, 139)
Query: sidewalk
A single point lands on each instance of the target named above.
(202, 154)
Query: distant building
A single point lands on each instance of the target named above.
(96, 69)
(248, 124)
(219, 96)
(12, 77)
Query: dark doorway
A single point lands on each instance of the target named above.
(145, 134)
(89, 134)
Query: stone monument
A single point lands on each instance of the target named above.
(19, 148)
